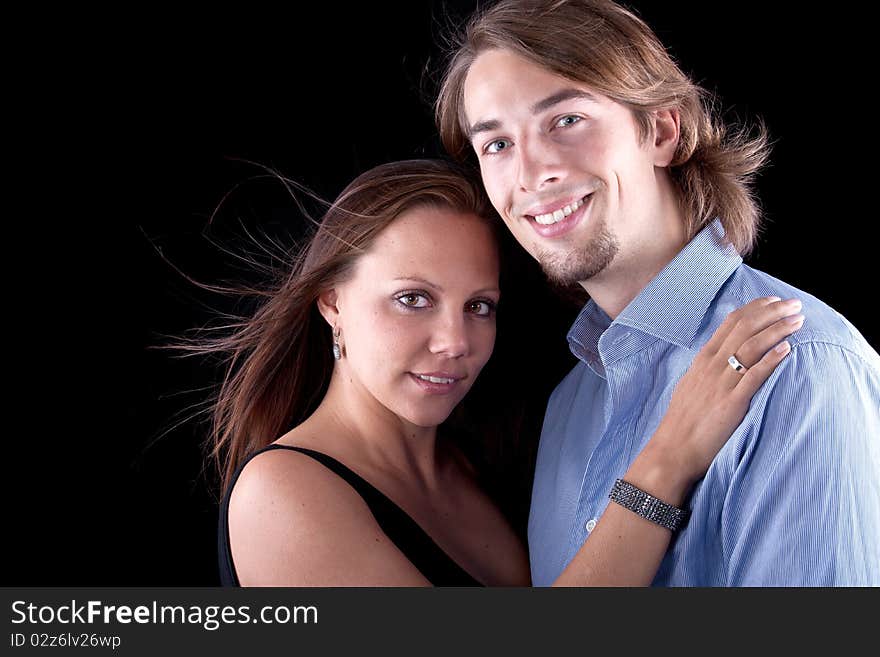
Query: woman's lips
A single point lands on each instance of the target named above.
(435, 387)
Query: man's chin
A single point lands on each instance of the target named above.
(573, 268)
(579, 264)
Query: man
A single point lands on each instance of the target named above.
(604, 162)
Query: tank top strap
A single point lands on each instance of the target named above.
(437, 566)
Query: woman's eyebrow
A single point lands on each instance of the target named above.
(418, 279)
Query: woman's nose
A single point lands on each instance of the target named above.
(450, 337)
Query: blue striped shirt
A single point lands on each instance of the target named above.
(792, 499)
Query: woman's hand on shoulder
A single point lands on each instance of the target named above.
(713, 396)
(293, 522)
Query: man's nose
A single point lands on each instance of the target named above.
(539, 165)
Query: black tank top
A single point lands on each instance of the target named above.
(437, 567)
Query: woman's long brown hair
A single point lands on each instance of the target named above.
(278, 362)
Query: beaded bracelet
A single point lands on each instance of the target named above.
(647, 506)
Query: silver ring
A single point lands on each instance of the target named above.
(737, 366)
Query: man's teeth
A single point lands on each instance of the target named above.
(559, 215)
(434, 379)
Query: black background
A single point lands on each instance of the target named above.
(126, 132)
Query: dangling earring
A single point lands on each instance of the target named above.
(337, 350)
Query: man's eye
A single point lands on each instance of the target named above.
(497, 146)
(566, 121)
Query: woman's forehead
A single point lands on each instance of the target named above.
(434, 242)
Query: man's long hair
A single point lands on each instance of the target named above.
(613, 52)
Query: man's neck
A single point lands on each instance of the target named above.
(640, 260)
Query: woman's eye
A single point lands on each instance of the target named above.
(412, 300)
(566, 121)
(483, 308)
(497, 146)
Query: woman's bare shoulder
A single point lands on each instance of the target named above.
(294, 522)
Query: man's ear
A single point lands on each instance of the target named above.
(327, 306)
(667, 130)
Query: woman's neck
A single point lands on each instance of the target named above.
(358, 425)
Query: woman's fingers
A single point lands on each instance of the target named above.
(753, 348)
(757, 345)
(758, 373)
(758, 327)
(712, 398)
(747, 313)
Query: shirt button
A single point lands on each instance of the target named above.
(591, 524)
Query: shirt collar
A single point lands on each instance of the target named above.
(671, 307)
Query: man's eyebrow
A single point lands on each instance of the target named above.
(537, 108)
(483, 126)
(560, 96)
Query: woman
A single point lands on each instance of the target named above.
(364, 349)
